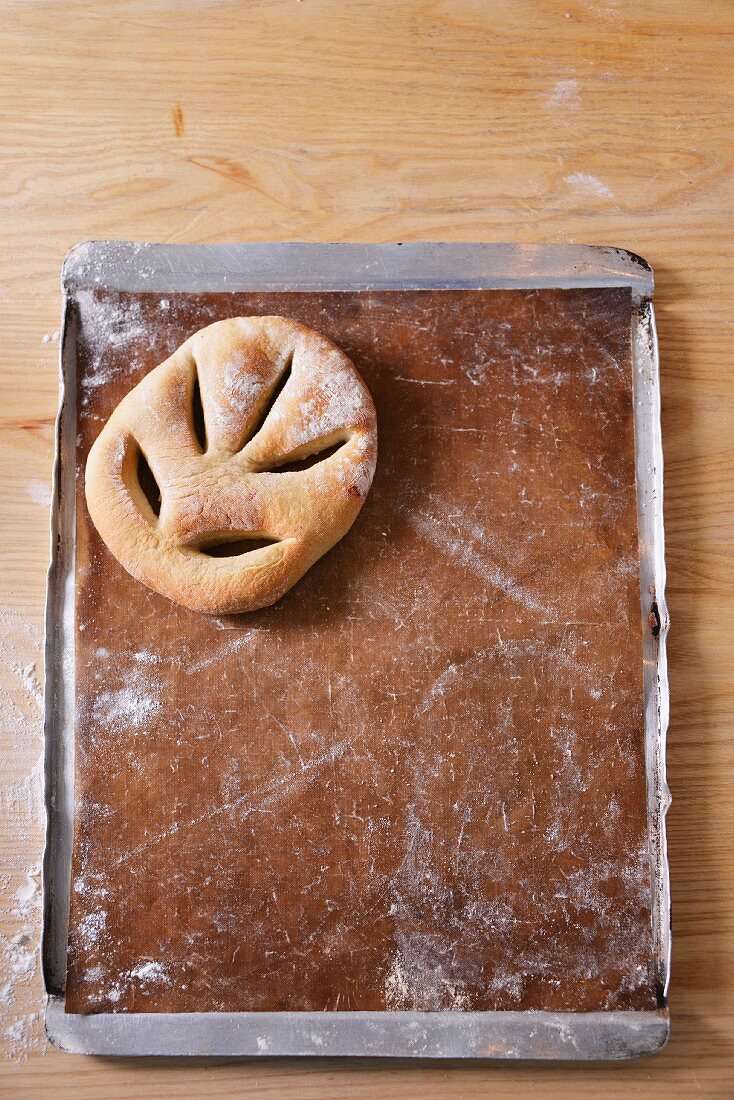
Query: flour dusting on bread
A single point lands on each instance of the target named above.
(197, 462)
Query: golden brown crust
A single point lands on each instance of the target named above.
(233, 486)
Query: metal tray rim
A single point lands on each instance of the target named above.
(298, 265)
(531, 1035)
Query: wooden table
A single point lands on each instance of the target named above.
(597, 121)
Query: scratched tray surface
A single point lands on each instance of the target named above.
(418, 782)
(417, 807)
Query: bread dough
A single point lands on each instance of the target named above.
(235, 464)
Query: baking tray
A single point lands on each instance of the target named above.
(164, 269)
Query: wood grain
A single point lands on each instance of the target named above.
(594, 120)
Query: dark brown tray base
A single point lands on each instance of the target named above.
(418, 782)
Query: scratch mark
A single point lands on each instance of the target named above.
(425, 381)
(436, 531)
(226, 651)
(291, 738)
(237, 173)
(260, 798)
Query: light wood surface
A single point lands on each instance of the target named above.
(596, 121)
